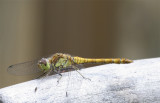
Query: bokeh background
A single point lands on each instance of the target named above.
(88, 28)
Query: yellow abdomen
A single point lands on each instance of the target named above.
(80, 60)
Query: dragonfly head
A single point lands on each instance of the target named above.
(44, 64)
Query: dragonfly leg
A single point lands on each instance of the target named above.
(58, 72)
(74, 67)
(41, 75)
(59, 78)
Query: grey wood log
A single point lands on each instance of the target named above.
(138, 82)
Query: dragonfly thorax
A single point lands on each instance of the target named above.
(44, 64)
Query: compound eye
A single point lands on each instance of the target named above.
(43, 61)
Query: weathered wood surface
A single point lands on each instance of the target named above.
(138, 82)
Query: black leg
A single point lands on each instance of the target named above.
(41, 75)
(75, 68)
(59, 70)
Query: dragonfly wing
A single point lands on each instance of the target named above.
(25, 68)
(76, 80)
(80, 66)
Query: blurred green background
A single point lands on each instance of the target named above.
(88, 28)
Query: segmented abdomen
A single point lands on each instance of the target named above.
(80, 60)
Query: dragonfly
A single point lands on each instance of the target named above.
(59, 63)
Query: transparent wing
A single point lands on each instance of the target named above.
(75, 81)
(25, 68)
